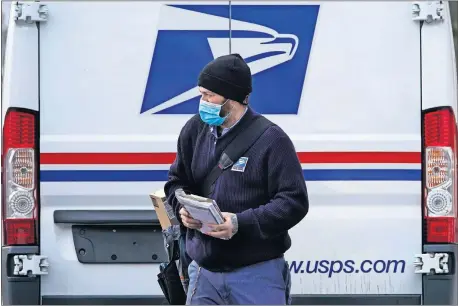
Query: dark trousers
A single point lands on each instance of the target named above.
(184, 257)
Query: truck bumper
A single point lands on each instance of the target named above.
(297, 300)
(437, 289)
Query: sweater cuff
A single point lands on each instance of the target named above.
(244, 221)
(177, 213)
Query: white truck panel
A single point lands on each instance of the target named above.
(20, 76)
(439, 64)
(360, 92)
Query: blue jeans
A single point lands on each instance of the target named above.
(267, 282)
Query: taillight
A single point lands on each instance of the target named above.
(19, 163)
(440, 175)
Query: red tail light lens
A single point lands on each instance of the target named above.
(19, 178)
(19, 131)
(20, 231)
(440, 202)
(440, 128)
(440, 229)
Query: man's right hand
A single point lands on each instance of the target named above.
(188, 221)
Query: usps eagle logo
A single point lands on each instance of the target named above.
(274, 40)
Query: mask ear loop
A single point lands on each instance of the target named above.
(221, 108)
(230, 112)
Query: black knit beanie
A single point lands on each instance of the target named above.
(228, 76)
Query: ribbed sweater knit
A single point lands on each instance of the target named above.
(269, 197)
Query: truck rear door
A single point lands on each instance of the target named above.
(350, 99)
(100, 155)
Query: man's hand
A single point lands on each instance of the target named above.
(188, 221)
(227, 229)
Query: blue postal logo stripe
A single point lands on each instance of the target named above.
(162, 175)
(275, 40)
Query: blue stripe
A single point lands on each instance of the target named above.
(161, 175)
(363, 175)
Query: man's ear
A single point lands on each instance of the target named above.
(245, 102)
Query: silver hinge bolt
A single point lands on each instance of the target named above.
(428, 11)
(431, 263)
(30, 265)
(31, 12)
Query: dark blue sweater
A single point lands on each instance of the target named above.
(269, 197)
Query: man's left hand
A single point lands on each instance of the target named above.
(225, 230)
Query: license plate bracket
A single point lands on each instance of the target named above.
(118, 244)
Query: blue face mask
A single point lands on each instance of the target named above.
(209, 113)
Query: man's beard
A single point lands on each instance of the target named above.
(226, 109)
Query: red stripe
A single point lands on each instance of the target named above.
(168, 158)
(360, 157)
(106, 158)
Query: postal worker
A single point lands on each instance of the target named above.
(262, 196)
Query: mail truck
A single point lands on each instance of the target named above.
(95, 95)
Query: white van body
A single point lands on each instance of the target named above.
(113, 83)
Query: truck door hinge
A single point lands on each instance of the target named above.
(428, 11)
(431, 263)
(30, 265)
(30, 12)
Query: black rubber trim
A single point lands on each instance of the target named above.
(297, 300)
(18, 290)
(106, 217)
(442, 289)
(103, 300)
(356, 299)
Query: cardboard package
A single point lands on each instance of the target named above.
(164, 211)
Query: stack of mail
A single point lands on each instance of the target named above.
(203, 209)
